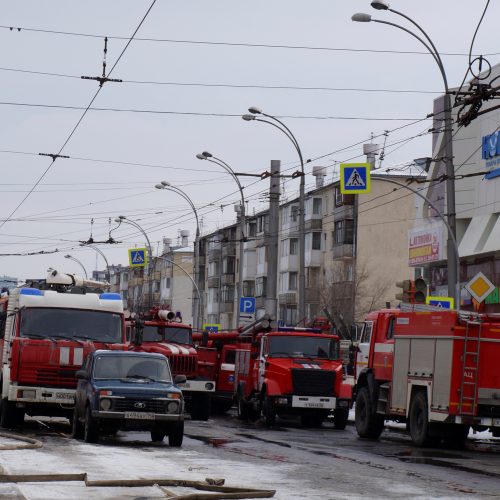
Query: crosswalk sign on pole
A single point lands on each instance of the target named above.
(354, 178)
(137, 257)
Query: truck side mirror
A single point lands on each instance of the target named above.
(180, 379)
(139, 332)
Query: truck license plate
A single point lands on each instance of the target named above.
(314, 405)
(65, 395)
(139, 415)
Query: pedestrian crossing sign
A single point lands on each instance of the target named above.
(354, 178)
(137, 257)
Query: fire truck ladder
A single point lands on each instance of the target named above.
(470, 368)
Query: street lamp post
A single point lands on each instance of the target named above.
(101, 253)
(453, 265)
(302, 243)
(208, 156)
(70, 257)
(197, 302)
(122, 218)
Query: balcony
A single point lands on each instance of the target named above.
(343, 212)
(214, 255)
(228, 250)
(289, 298)
(313, 225)
(227, 279)
(342, 251)
(213, 282)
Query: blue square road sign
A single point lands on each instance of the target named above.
(247, 305)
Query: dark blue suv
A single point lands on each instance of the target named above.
(125, 390)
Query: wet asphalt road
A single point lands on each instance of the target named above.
(319, 463)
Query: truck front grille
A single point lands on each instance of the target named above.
(182, 365)
(49, 377)
(151, 405)
(311, 382)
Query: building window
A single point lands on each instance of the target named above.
(317, 202)
(252, 229)
(249, 288)
(167, 283)
(294, 213)
(261, 255)
(124, 277)
(294, 246)
(228, 265)
(213, 318)
(292, 281)
(260, 286)
(213, 295)
(213, 268)
(227, 293)
(343, 233)
(284, 248)
(343, 199)
(316, 241)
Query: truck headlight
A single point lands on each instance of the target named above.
(105, 404)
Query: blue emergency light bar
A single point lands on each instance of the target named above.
(298, 329)
(110, 296)
(30, 291)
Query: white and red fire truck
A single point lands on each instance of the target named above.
(292, 372)
(436, 370)
(160, 332)
(47, 329)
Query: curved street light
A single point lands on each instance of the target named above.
(197, 303)
(275, 122)
(453, 266)
(213, 159)
(101, 253)
(122, 218)
(70, 257)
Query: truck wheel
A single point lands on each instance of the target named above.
(368, 424)
(419, 421)
(243, 408)
(268, 410)
(77, 429)
(340, 416)
(91, 428)
(176, 434)
(8, 414)
(200, 406)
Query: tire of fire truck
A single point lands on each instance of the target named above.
(77, 428)
(91, 427)
(368, 423)
(243, 407)
(10, 416)
(268, 410)
(176, 434)
(420, 427)
(200, 406)
(340, 416)
(157, 435)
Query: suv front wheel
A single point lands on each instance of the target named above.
(91, 428)
(176, 434)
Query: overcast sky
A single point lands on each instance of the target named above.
(197, 57)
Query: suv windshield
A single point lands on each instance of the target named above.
(45, 322)
(174, 334)
(309, 347)
(133, 367)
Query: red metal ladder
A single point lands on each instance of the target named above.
(470, 368)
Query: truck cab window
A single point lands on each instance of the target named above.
(390, 327)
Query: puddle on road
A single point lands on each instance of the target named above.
(216, 442)
(418, 454)
(251, 436)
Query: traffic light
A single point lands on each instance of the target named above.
(407, 291)
(419, 291)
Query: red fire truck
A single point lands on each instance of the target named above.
(436, 370)
(292, 371)
(159, 332)
(225, 345)
(48, 328)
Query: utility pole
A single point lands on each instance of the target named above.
(272, 263)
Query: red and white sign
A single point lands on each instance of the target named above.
(425, 245)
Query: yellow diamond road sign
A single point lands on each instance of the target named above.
(480, 287)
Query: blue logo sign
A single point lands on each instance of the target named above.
(491, 146)
(247, 305)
